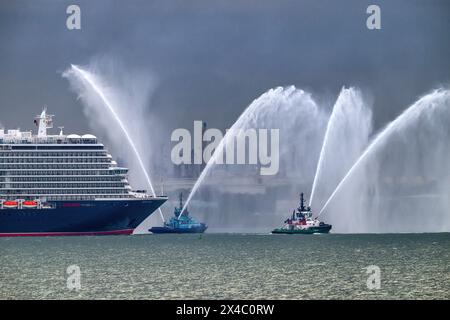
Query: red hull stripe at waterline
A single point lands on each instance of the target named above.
(61, 234)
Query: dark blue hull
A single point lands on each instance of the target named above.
(94, 217)
(158, 230)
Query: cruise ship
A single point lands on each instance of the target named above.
(62, 185)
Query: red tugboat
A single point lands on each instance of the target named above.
(302, 222)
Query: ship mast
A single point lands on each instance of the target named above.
(185, 212)
(302, 202)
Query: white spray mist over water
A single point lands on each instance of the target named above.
(95, 93)
(301, 123)
(347, 134)
(389, 187)
(383, 191)
(399, 183)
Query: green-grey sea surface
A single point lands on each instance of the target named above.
(227, 266)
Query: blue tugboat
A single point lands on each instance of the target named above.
(181, 222)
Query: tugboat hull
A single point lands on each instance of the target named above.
(159, 230)
(311, 230)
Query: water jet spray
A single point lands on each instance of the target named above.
(89, 78)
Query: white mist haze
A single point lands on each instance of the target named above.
(401, 181)
(348, 131)
(242, 197)
(394, 181)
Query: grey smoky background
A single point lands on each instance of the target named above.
(212, 58)
(208, 60)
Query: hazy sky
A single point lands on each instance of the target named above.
(212, 58)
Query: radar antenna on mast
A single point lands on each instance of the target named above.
(181, 200)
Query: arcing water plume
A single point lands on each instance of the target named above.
(403, 168)
(301, 123)
(347, 134)
(90, 87)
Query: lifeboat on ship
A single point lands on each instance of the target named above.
(30, 204)
(10, 204)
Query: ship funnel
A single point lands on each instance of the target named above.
(44, 122)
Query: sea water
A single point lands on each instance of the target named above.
(227, 266)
